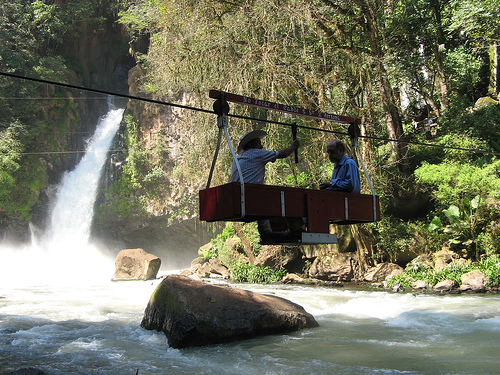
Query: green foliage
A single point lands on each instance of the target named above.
(402, 279)
(451, 272)
(10, 153)
(475, 227)
(461, 225)
(394, 237)
(490, 266)
(417, 271)
(145, 169)
(425, 240)
(120, 203)
(252, 235)
(21, 177)
(478, 18)
(246, 273)
(464, 67)
(455, 182)
(207, 254)
(31, 34)
(488, 241)
(431, 276)
(218, 243)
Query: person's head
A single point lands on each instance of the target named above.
(252, 139)
(254, 143)
(335, 150)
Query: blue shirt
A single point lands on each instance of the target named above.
(345, 176)
(253, 165)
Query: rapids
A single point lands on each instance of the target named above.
(95, 329)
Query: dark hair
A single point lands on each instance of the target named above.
(251, 144)
(337, 144)
(340, 146)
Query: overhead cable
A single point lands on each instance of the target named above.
(105, 92)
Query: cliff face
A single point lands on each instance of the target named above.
(101, 61)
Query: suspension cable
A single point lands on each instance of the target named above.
(105, 92)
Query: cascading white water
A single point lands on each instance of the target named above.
(73, 208)
(64, 251)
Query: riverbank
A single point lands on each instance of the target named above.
(441, 273)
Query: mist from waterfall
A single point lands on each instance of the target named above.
(64, 250)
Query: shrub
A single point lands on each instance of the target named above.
(219, 241)
(207, 254)
(402, 279)
(247, 273)
(490, 266)
(426, 240)
(452, 272)
(393, 238)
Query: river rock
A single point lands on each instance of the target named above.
(475, 280)
(382, 272)
(213, 268)
(136, 264)
(419, 285)
(337, 267)
(193, 313)
(292, 278)
(277, 257)
(444, 286)
(443, 258)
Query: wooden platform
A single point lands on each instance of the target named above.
(319, 207)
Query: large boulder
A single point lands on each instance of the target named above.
(475, 280)
(193, 313)
(444, 286)
(336, 267)
(382, 272)
(136, 264)
(277, 257)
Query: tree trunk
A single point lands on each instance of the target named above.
(494, 85)
(364, 250)
(441, 77)
(438, 48)
(244, 240)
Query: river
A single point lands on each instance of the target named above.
(92, 326)
(61, 313)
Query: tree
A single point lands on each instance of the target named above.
(358, 29)
(480, 19)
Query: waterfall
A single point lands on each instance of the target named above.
(63, 251)
(73, 208)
